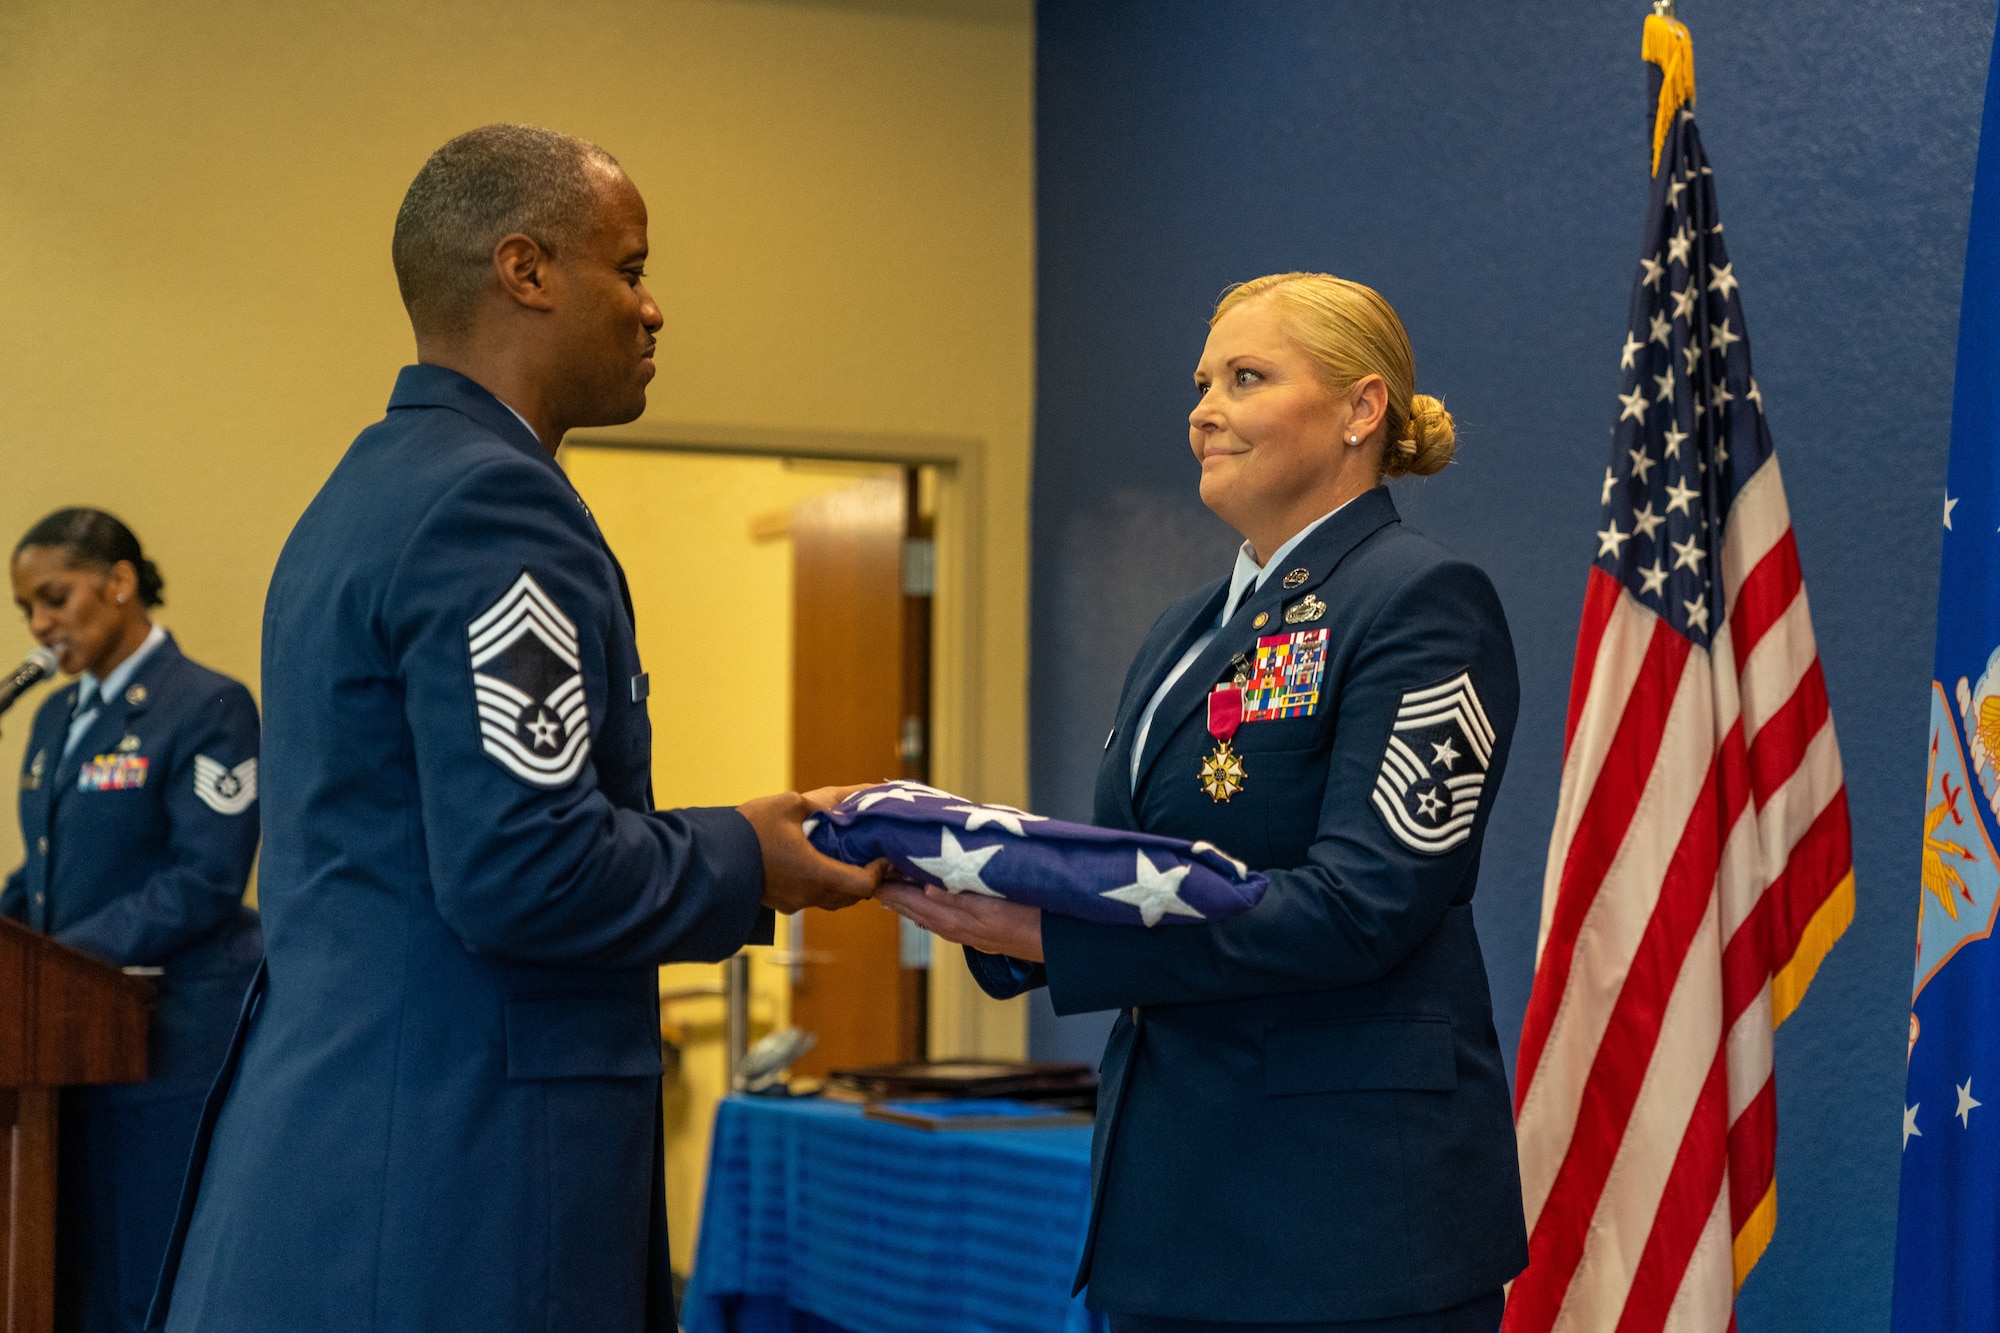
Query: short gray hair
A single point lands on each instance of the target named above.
(485, 184)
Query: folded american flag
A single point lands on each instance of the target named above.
(1097, 874)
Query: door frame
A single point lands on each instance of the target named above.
(963, 1021)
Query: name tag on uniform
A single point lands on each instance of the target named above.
(112, 772)
(1285, 677)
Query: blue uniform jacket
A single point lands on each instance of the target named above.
(1304, 1115)
(444, 1108)
(139, 846)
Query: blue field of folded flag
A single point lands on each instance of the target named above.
(1078, 870)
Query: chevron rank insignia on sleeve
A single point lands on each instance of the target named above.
(534, 719)
(227, 791)
(1434, 767)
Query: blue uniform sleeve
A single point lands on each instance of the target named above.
(1365, 897)
(210, 793)
(501, 619)
(1003, 977)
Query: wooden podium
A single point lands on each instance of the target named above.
(64, 1019)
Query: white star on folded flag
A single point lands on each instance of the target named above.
(1006, 816)
(957, 868)
(1155, 892)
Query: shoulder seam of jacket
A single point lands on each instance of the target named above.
(449, 492)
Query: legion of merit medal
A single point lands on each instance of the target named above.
(1222, 771)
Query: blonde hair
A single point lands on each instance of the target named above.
(1351, 332)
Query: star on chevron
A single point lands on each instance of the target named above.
(1006, 816)
(1444, 753)
(1635, 405)
(544, 728)
(1966, 1101)
(1910, 1130)
(1630, 350)
(1679, 496)
(956, 868)
(1428, 804)
(1722, 280)
(1154, 892)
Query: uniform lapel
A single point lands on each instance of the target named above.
(1319, 555)
(46, 740)
(1147, 681)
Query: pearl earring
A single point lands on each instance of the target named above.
(121, 599)
(1354, 439)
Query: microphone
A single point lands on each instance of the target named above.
(38, 664)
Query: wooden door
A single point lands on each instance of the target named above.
(860, 713)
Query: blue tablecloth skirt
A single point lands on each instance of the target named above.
(817, 1220)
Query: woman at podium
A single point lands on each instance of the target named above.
(138, 805)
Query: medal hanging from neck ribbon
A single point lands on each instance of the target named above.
(1222, 772)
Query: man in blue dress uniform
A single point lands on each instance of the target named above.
(443, 1106)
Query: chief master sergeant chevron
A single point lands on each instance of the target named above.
(442, 1107)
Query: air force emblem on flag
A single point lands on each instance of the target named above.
(533, 717)
(1435, 766)
(227, 791)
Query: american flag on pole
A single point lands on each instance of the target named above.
(1700, 867)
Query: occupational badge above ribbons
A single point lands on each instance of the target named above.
(1077, 870)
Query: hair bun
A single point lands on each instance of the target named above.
(1428, 442)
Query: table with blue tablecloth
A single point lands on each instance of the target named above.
(818, 1220)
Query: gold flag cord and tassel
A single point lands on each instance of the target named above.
(1667, 43)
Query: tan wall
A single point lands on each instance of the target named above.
(200, 312)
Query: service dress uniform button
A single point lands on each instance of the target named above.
(42, 846)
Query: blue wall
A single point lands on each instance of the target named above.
(1484, 166)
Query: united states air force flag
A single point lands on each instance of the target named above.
(1948, 1224)
(1098, 874)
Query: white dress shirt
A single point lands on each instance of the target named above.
(1244, 582)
